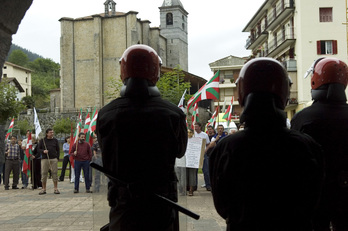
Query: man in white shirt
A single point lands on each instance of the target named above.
(203, 135)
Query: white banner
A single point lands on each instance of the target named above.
(36, 124)
(193, 154)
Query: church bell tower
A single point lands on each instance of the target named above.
(173, 27)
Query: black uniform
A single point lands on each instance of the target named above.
(140, 138)
(266, 177)
(327, 123)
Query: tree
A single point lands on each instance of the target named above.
(114, 87)
(45, 77)
(63, 126)
(23, 126)
(9, 107)
(172, 85)
(18, 57)
(47, 66)
(28, 101)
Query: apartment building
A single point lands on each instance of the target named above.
(296, 33)
(229, 67)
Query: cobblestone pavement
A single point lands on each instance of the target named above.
(25, 209)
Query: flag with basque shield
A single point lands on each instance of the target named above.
(209, 90)
(28, 153)
(10, 128)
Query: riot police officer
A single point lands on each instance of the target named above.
(266, 177)
(140, 135)
(326, 120)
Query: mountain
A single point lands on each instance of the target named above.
(32, 56)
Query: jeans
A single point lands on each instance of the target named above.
(85, 166)
(205, 170)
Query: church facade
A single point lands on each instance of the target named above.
(91, 47)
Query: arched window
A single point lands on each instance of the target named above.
(169, 18)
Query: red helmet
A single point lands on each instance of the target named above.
(329, 70)
(263, 75)
(140, 61)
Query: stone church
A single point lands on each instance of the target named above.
(91, 46)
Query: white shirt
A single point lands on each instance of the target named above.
(203, 135)
(24, 143)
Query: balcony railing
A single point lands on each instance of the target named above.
(279, 10)
(280, 39)
(290, 65)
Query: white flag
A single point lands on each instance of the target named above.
(181, 103)
(36, 124)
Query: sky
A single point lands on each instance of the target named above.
(214, 27)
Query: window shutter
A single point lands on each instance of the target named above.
(334, 47)
(318, 48)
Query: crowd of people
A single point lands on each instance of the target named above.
(44, 158)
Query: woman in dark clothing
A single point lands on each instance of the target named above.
(35, 166)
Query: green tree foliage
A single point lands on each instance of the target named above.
(172, 85)
(32, 56)
(114, 88)
(23, 126)
(45, 77)
(63, 126)
(28, 101)
(9, 106)
(18, 57)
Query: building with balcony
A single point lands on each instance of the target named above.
(229, 67)
(296, 33)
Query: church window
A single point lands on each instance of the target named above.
(169, 19)
(183, 26)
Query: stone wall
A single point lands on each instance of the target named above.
(90, 51)
(47, 120)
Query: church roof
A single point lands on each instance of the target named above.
(101, 15)
(172, 3)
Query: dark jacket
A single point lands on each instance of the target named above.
(140, 137)
(327, 123)
(266, 177)
(52, 147)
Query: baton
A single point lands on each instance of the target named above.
(162, 199)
